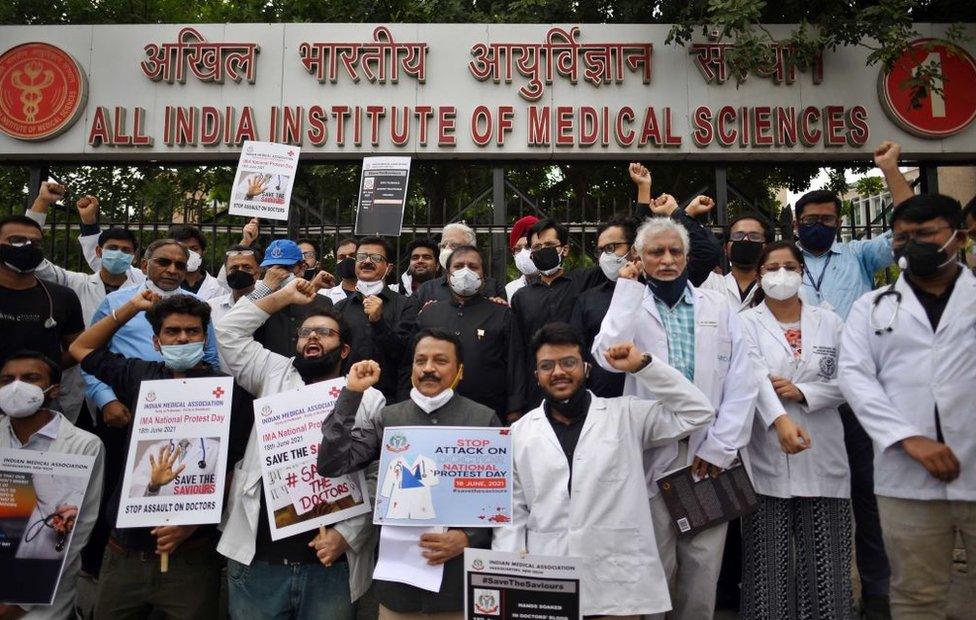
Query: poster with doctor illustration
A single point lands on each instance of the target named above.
(177, 461)
(41, 497)
(452, 476)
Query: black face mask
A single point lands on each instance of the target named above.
(22, 259)
(574, 406)
(346, 269)
(310, 274)
(745, 253)
(546, 258)
(669, 292)
(922, 259)
(314, 368)
(240, 280)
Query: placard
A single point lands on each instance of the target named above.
(512, 586)
(696, 505)
(289, 431)
(41, 497)
(177, 462)
(265, 175)
(455, 476)
(382, 196)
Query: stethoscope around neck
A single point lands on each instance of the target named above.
(892, 320)
(185, 443)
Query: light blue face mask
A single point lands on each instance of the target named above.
(182, 357)
(116, 262)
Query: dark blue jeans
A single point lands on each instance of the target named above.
(872, 562)
(282, 591)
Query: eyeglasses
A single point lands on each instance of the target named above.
(19, 241)
(826, 220)
(309, 254)
(548, 244)
(376, 258)
(324, 332)
(568, 364)
(739, 235)
(233, 253)
(165, 263)
(611, 248)
(922, 234)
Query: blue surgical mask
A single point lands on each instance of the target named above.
(817, 237)
(182, 357)
(116, 262)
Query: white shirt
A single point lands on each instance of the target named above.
(42, 439)
(513, 286)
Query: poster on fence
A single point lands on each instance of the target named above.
(41, 497)
(265, 175)
(289, 432)
(455, 476)
(176, 467)
(513, 586)
(382, 196)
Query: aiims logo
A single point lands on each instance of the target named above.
(42, 91)
(398, 443)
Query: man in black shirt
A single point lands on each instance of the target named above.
(494, 372)
(380, 320)
(423, 267)
(34, 314)
(130, 584)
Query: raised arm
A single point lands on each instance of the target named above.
(344, 448)
(886, 159)
(100, 333)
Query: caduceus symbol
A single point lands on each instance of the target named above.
(38, 79)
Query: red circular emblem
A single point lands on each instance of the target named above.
(936, 115)
(42, 91)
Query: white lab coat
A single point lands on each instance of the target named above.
(723, 370)
(264, 373)
(88, 244)
(408, 487)
(70, 440)
(728, 285)
(894, 380)
(606, 520)
(90, 291)
(822, 469)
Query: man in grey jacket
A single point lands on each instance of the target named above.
(437, 368)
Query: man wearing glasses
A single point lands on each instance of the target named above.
(380, 319)
(166, 264)
(835, 275)
(748, 234)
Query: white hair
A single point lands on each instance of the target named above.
(464, 228)
(654, 226)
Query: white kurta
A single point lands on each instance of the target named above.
(894, 381)
(606, 519)
(822, 469)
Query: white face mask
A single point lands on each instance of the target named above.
(523, 260)
(781, 284)
(194, 261)
(444, 256)
(155, 289)
(431, 403)
(20, 399)
(369, 288)
(610, 263)
(465, 282)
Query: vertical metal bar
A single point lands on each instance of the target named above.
(499, 219)
(722, 195)
(38, 174)
(929, 178)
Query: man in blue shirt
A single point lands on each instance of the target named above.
(165, 261)
(835, 275)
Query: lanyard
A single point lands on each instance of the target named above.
(816, 285)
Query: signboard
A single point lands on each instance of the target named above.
(289, 431)
(512, 586)
(177, 463)
(696, 505)
(265, 176)
(514, 91)
(382, 196)
(455, 476)
(41, 497)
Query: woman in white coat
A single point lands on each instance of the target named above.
(796, 546)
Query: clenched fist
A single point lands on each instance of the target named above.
(363, 375)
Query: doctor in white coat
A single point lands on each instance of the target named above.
(747, 237)
(796, 547)
(907, 365)
(579, 473)
(698, 333)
